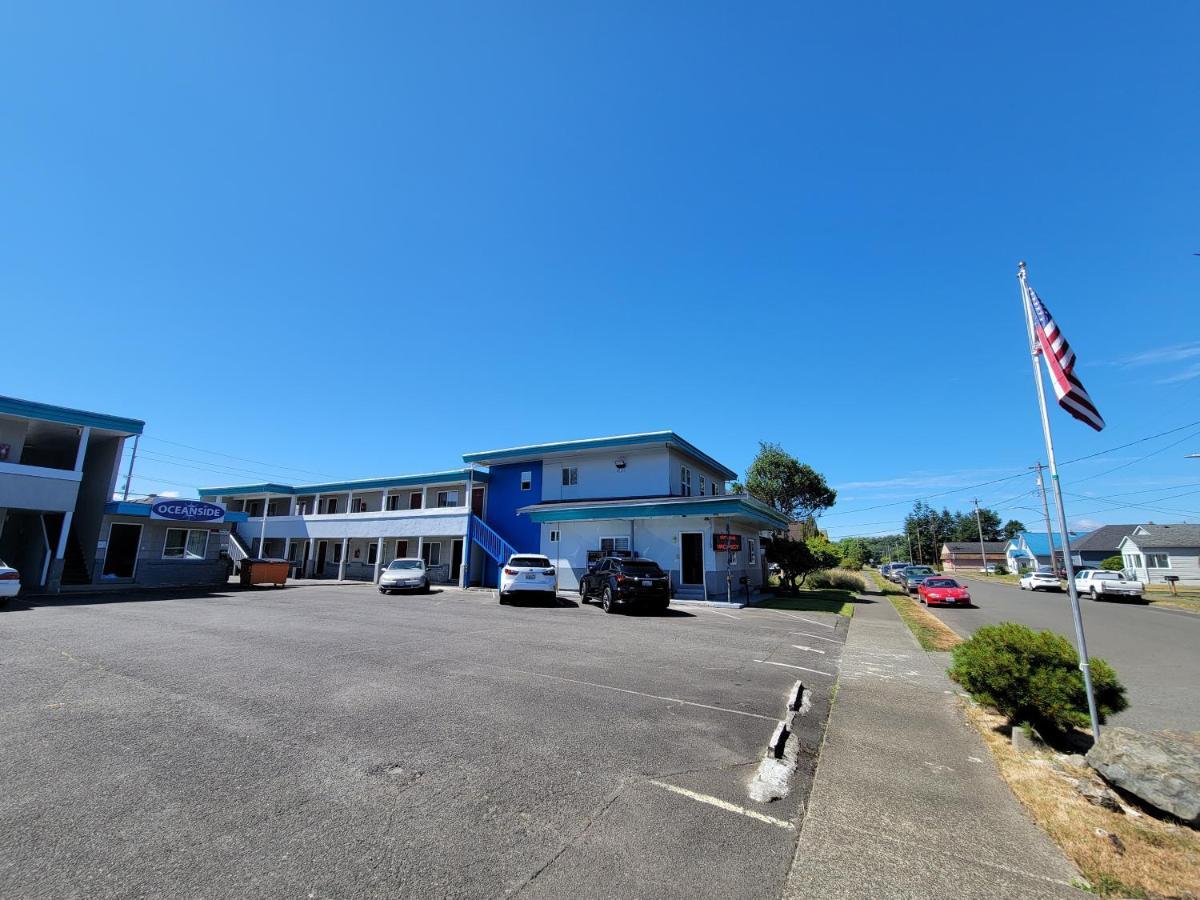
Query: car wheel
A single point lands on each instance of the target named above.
(606, 601)
(426, 587)
(1095, 595)
(382, 591)
(583, 597)
(503, 598)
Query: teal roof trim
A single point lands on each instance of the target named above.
(44, 412)
(727, 505)
(335, 487)
(531, 451)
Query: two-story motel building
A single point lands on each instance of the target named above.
(652, 495)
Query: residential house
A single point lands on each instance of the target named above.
(1153, 552)
(1030, 549)
(1096, 546)
(966, 556)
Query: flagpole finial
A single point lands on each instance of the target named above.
(1021, 267)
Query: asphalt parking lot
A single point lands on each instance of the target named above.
(330, 742)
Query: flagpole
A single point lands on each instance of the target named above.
(1080, 640)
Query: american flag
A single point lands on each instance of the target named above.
(1060, 360)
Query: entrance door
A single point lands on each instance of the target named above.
(120, 557)
(691, 557)
(456, 551)
(477, 501)
(321, 548)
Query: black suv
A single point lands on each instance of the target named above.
(617, 582)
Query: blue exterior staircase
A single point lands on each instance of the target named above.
(489, 541)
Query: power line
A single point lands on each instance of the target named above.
(1139, 459)
(257, 462)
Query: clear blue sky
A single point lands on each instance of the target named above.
(360, 239)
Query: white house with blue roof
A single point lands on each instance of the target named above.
(1030, 549)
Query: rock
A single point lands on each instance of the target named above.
(1161, 769)
(1098, 795)
(1024, 743)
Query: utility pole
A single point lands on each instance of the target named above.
(979, 525)
(920, 552)
(909, 537)
(1046, 513)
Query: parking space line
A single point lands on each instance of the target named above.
(816, 637)
(794, 616)
(609, 687)
(767, 662)
(809, 649)
(724, 804)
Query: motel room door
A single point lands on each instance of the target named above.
(691, 557)
(456, 555)
(322, 547)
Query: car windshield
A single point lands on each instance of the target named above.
(640, 567)
(1040, 574)
(529, 562)
(405, 564)
(918, 570)
(941, 582)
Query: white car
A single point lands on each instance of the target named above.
(527, 572)
(404, 575)
(1040, 581)
(10, 581)
(1098, 583)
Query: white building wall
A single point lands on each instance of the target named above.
(645, 474)
(711, 477)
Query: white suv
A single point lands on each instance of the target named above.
(527, 572)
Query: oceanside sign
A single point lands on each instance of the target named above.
(177, 510)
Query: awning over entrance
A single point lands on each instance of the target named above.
(741, 506)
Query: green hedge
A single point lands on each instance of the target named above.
(1033, 676)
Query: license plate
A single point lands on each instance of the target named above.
(647, 583)
(531, 576)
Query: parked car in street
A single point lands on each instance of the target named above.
(404, 575)
(1042, 579)
(10, 581)
(942, 591)
(625, 583)
(992, 569)
(891, 571)
(527, 573)
(912, 576)
(1097, 584)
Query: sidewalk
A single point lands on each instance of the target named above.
(907, 801)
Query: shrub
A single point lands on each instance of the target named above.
(1001, 569)
(837, 578)
(1033, 676)
(1113, 564)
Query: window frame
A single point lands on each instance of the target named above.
(1166, 557)
(442, 499)
(751, 551)
(400, 555)
(570, 476)
(372, 553)
(613, 548)
(420, 495)
(555, 535)
(391, 502)
(427, 553)
(337, 552)
(702, 486)
(685, 481)
(527, 480)
(185, 555)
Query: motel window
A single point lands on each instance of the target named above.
(254, 509)
(554, 536)
(526, 481)
(716, 488)
(685, 481)
(752, 551)
(372, 553)
(183, 543)
(1157, 561)
(401, 549)
(293, 552)
(447, 498)
(414, 500)
(432, 554)
(358, 505)
(393, 502)
(331, 505)
(614, 546)
(570, 475)
(701, 485)
(337, 552)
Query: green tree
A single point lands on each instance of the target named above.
(1113, 564)
(853, 552)
(799, 559)
(1012, 528)
(782, 481)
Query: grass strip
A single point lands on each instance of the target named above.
(826, 600)
(1127, 854)
(930, 631)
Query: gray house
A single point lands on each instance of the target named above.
(1095, 547)
(1153, 552)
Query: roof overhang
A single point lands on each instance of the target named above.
(741, 506)
(449, 476)
(28, 409)
(650, 438)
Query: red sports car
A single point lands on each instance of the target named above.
(940, 591)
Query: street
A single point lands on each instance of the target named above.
(326, 741)
(1152, 649)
